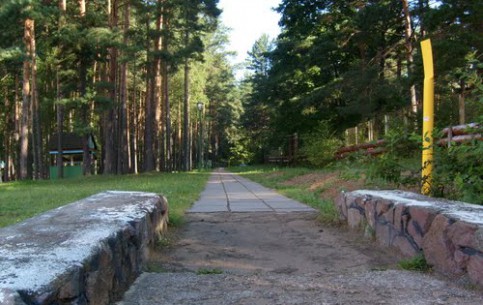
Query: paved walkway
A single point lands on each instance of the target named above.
(228, 192)
(271, 250)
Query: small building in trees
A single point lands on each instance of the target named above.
(72, 153)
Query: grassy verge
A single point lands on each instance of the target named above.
(286, 181)
(315, 187)
(21, 200)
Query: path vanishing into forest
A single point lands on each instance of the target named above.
(246, 244)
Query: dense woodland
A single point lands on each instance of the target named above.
(131, 73)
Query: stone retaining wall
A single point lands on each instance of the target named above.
(448, 233)
(88, 252)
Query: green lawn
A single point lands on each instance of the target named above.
(21, 200)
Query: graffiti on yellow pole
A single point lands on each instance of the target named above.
(428, 116)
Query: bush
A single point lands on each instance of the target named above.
(320, 146)
(386, 167)
(458, 172)
(398, 146)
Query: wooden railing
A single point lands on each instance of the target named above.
(451, 135)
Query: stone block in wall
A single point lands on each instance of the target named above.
(340, 203)
(453, 247)
(449, 233)
(370, 213)
(87, 252)
(384, 233)
(355, 218)
(475, 268)
(382, 206)
(420, 219)
(406, 245)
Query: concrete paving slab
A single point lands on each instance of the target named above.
(248, 203)
(250, 209)
(228, 192)
(286, 205)
(207, 209)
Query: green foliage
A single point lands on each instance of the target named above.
(206, 271)
(399, 147)
(386, 167)
(417, 263)
(239, 155)
(346, 62)
(458, 172)
(320, 146)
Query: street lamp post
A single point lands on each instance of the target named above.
(199, 105)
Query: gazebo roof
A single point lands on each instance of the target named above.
(71, 142)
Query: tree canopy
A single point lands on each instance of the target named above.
(132, 72)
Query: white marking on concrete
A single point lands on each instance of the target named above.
(47, 253)
(471, 213)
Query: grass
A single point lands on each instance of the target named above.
(24, 199)
(417, 263)
(205, 271)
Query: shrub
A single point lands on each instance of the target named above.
(398, 146)
(458, 172)
(320, 146)
(386, 167)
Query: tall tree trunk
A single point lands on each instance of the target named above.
(26, 95)
(110, 127)
(86, 160)
(409, 53)
(148, 164)
(60, 129)
(165, 88)
(157, 105)
(7, 138)
(17, 122)
(59, 105)
(186, 113)
(180, 138)
(134, 128)
(36, 126)
(123, 133)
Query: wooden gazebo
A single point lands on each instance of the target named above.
(72, 151)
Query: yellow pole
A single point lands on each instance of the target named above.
(428, 116)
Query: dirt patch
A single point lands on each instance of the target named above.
(291, 243)
(269, 258)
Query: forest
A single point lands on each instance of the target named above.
(152, 83)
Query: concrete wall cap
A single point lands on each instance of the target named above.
(38, 250)
(467, 212)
